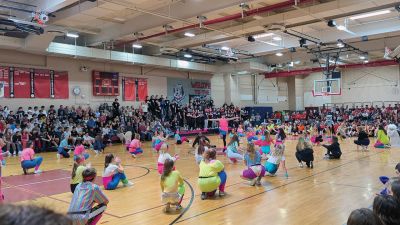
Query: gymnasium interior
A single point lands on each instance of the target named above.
(189, 79)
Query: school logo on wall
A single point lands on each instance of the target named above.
(178, 93)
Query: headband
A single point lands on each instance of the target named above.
(89, 178)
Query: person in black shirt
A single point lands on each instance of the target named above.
(362, 139)
(333, 150)
(198, 137)
(115, 105)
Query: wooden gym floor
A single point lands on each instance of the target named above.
(323, 195)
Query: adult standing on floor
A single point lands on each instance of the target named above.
(115, 105)
(223, 127)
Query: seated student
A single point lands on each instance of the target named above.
(98, 145)
(128, 139)
(387, 208)
(2, 155)
(333, 150)
(363, 216)
(114, 173)
(179, 140)
(362, 139)
(255, 171)
(164, 155)
(11, 214)
(211, 175)
(382, 139)
(232, 150)
(80, 150)
(77, 169)
(172, 186)
(88, 141)
(135, 146)
(304, 153)
(87, 193)
(28, 159)
(394, 136)
(65, 147)
(316, 138)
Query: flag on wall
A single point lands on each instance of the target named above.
(4, 92)
(61, 87)
(134, 89)
(142, 89)
(42, 84)
(21, 83)
(129, 88)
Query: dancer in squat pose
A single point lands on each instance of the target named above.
(172, 186)
(255, 171)
(86, 194)
(212, 175)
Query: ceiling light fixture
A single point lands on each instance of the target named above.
(279, 54)
(377, 13)
(277, 38)
(137, 45)
(187, 55)
(188, 34)
(225, 48)
(363, 57)
(341, 27)
(263, 35)
(340, 45)
(72, 35)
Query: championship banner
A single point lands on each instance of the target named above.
(32, 83)
(142, 89)
(61, 87)
(41, 84)
(182, 89)
(52, 84)
(22, 83)
(105, 83)
(129, 89)
(4, 82)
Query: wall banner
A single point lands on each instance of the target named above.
(182, 90)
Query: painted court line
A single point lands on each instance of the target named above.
(277, 187)
(40, 182)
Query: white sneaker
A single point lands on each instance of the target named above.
(128, 184)
(133, 155)
(58, 156)
(38, 172)
(301, 165)
(253, 182)
(96, 151)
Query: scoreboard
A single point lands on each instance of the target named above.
(105, 83)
